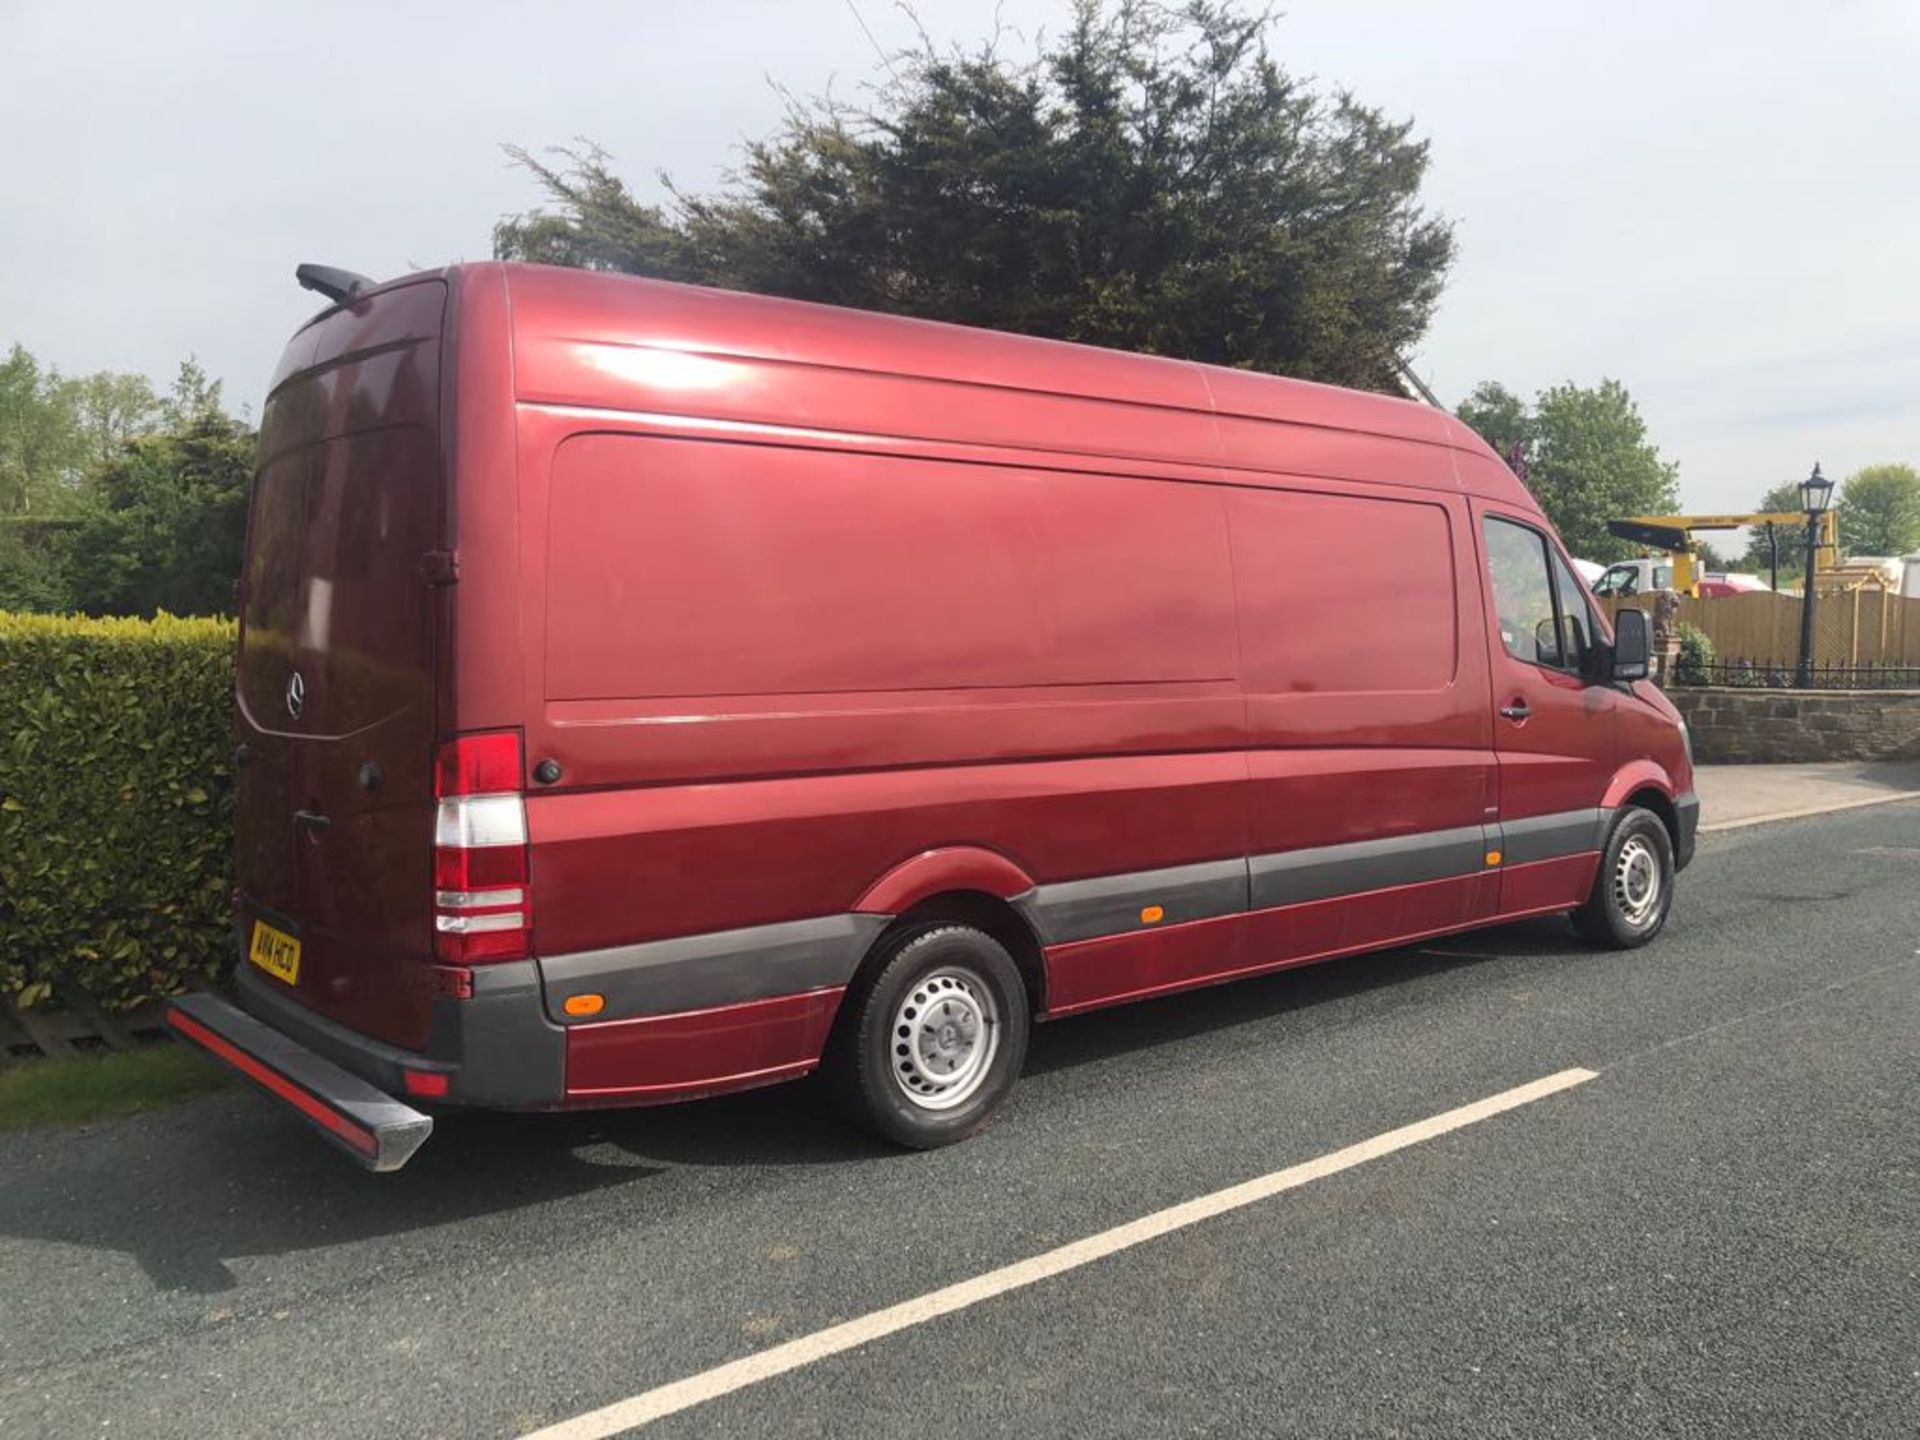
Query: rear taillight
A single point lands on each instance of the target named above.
(482, 904)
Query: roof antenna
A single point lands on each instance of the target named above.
(338, 286)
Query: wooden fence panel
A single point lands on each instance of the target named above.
(1861, 627)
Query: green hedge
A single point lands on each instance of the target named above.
(116, 804)
(1696, 654)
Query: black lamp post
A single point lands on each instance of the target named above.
(1816, 493)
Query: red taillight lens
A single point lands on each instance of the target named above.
(484, 948)
(493, 868)
(483, 909)
(485, 764)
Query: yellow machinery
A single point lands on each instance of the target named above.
(1786, 529)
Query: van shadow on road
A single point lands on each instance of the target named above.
(1187, 1015)
(187, 1190)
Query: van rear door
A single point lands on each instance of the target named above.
(335, 683)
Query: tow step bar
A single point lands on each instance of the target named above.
(377, 1130)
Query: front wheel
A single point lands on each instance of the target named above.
(1633, 890)
(934, 1039)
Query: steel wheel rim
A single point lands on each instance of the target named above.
(1636, 881)
(943, 1038)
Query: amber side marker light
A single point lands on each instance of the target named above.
(1152, 915)
(584, 1004)
(1493, 857)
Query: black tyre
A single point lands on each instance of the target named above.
(1633, 889)
(932, 1040)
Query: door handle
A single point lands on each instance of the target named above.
(1516, 711)
(312, 819)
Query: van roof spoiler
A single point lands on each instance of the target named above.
(337, 285)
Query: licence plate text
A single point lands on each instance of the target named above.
(275, 952)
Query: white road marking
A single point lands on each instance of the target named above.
(680, 1395)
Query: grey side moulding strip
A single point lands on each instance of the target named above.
(1295, 876)
(700, 972)
(1111, 904)
(1547, 837)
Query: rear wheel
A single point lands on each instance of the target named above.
(1633, 889)
(933, 1040)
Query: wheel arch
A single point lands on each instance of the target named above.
(981, 910)
(948, 869)
(1646, 784)
(1650, 797)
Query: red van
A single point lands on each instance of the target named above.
(647, 692)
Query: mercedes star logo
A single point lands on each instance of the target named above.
(296, 694)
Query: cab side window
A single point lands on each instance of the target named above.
(1522, 592)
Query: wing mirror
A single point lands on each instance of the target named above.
(1545, 645)
(1631, 648)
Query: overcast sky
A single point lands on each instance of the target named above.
(1718, 204)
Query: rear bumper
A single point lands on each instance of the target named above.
(366, 1123)
(1687, 811)
(495, 1048)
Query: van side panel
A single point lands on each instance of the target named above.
(1044, 670)
(680, 1057)
(1370, 772)
(1369, 751)
(616, 867)
(695, 572)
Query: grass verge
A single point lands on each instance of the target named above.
(74, 1089)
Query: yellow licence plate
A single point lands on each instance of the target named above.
(275, 952)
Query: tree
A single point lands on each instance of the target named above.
(1501, 418)
(114, 500)
(164, 524)
(112, 409)
(1585, 455)
(193, 397)
(1879, 511)
(1152, 180)
(31, 573)
(42, 449)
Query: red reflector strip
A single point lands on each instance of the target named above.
(424, 1082)
(451, 981)
(310, 1105)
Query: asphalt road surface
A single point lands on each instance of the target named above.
(1719, 1234)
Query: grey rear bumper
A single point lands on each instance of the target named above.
(496, 1047)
